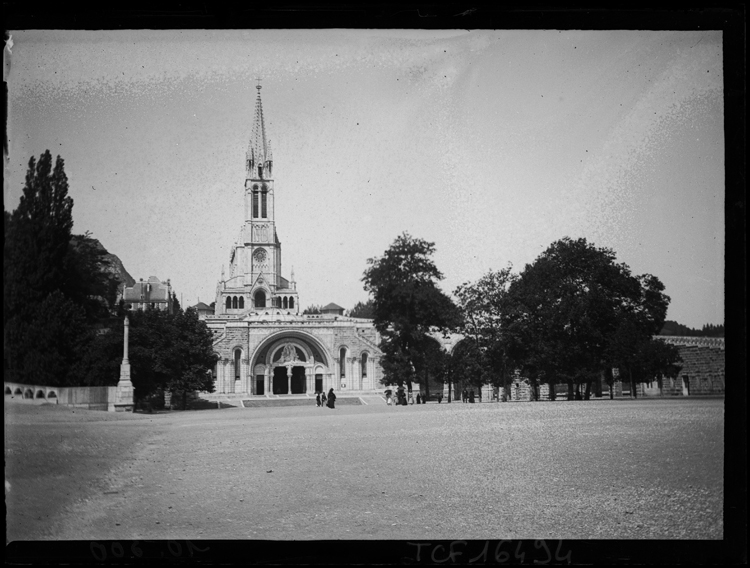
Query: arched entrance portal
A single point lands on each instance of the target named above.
(282, 382)
(291, 362)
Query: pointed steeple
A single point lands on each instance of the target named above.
(259, 157)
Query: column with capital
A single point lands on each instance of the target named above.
(124, 393)
(289, 378)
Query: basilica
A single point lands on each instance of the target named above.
(266, 346)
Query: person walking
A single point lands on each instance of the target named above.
(419, 399)
(471, 396)
(464, 396)
(331, 399)
(322, 399)
(317, 399)
(440, 397)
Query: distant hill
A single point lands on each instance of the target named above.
(708, 330)
(115, 265)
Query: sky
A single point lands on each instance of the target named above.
(490, 144)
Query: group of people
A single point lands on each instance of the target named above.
(402, 399)
(322, 400)
(467, 396)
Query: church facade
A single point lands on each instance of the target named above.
(266, 346)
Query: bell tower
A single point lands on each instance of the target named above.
(255, 261)
(262, 246)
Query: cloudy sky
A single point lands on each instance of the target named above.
(491, 144)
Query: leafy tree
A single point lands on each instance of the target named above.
(58, 289)
(35, 252)
(362, 310)
(468, 364)
(167, 351)
(313, 309)
(407, 305)
(575, 311)
(429, 360)
(483, 304)
(54, 335)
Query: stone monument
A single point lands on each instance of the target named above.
(124, 393)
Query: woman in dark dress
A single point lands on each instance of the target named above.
(331, 399)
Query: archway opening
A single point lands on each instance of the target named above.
(280, 381)
(260, 299)
(299, 384)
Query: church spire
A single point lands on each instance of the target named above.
(259, 156)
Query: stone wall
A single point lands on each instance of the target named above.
(93, 398)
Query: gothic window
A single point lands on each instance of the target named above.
(237, 364)
(364, 365)
(342, 361)
(260, 299)
(278, 302)
(286, 303)
(264, 204)
(234, 302)
(229, 302)
(291, 303)
(242, 303)
(255, 204)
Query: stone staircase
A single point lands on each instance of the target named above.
(244, 400)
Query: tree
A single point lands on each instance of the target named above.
(362, 310)
(632, 347)
(57, 287)
(407, 305)
(194, 357)
(167, 351)
(483, 304)
(468, 364)
(176, 307)
(35, 254)
(313, 309)
(575, 311)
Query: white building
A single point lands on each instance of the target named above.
(265, 345)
